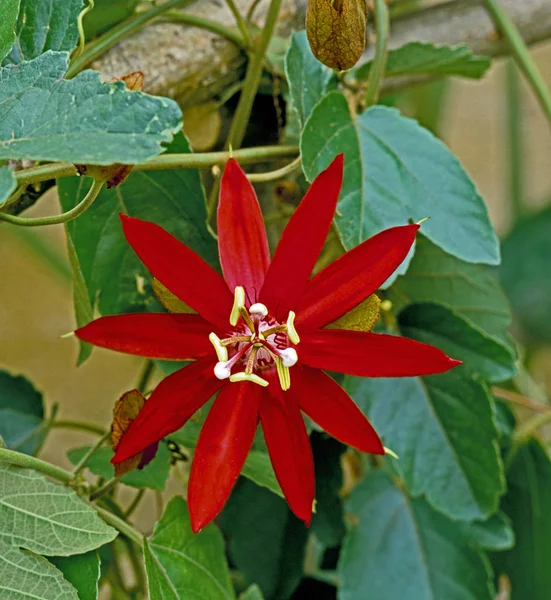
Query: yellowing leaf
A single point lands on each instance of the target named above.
(361, 318)
(171, 302)
(336, 31)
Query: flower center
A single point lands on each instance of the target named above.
(256, 343)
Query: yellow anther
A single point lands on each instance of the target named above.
(248, 377)
(291, 331)
(422, 221)
(238, 305)
(391, 453)
(221, 351)
(284, 375)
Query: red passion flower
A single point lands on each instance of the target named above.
(259, 338)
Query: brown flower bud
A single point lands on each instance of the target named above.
(336, 31)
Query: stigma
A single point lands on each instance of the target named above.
(256, 343)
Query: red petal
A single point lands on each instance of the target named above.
(224, 442)
(180, 269)
(289, 447)
(172, 403)
(371, 354)
(353, 277)
(172, 337)
(302, 241)
(328, 405)
(242, 241)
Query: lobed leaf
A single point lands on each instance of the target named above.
(424, 58)
(396, 171)
(47, 518)
(10, 10)
(402, 548)
(82, 571)
(181, 564)
(21, 413)
(81, 120)
(442, 428)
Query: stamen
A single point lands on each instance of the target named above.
(250, 361)
(283, 374)
(248, 377)
(289, 357)
(233, 340)
(238, 304)
(391, 453)
(221, 351)
(291, 331)
(258, 309)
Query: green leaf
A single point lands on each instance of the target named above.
(81, 120)
(45, 25)
(258, 468)
(396, 171)
(106, 14)
(10, 10)
(494, 534)
(252, 593)
(527, 504)
(21, 413)
(174, 199)
(309, 80)
(451, 332)
(181, 564)
(84, 311)
(152, 476)
(423, 58)
(265, 540)
(82, 571)
(402, 548)
(525, 273)
(25, 576)
(47, 518)
(442, 428)
(470, 290)
(8, 184)
(328, 521)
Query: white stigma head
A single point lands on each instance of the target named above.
(289, 357)
(258, 309)
(221, 370)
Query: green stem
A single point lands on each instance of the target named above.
(145, 375)
(115, 35)
(252, 79)
(514, 146)
(75, 212)
(240, 23)
(79, 426)
(105, 488)
(214, 26)
(31, 462)
(134, 504)
(80, 27)
(119, 524)
(84, 460)
(165, 161)
(137, 565)
(377, 71)
(521, 54)
(531, 426)
(277, 174)
(15, 196)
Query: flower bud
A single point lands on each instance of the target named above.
(336, 31)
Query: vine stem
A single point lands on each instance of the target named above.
(521, 54)
(252, 79)
(31, 462)
(377, 71)
(81, 37)
(520, 400)
(84, 460)
(277, 174)
(75, 212)
(128, 27)
(145, 375)
(204, 160)
(105, 488)
(515, 155)
(240, 23)
(119, 524)
(79, 426)
(213, 26)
